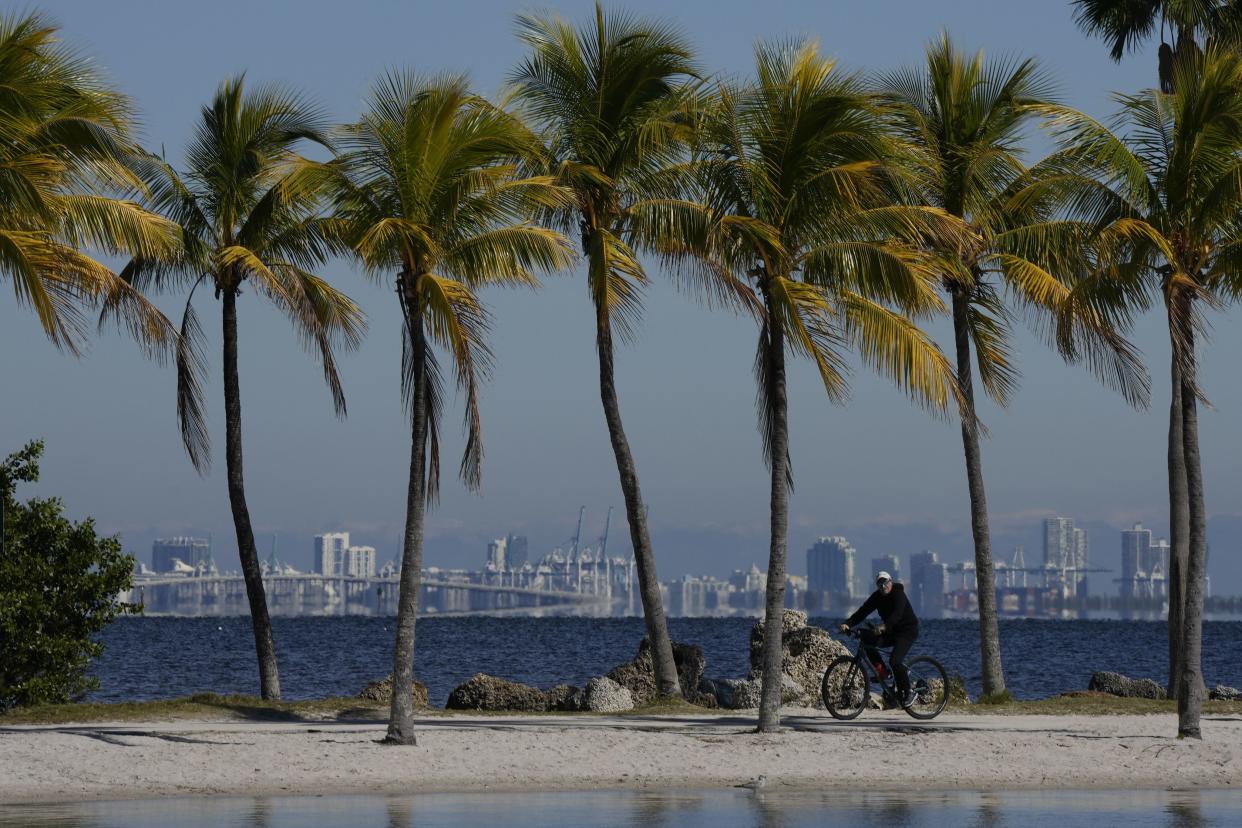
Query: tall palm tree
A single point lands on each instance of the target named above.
(247, 209)
(66, 144)
(611, 99)
(965, 118)
(431, 191)
(1162, 195)
(1124, 24)
(793, 220)
(1190, 23)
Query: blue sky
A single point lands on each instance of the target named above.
(877, 469)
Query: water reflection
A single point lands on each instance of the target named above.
(400, 812)
(1185, 810)
(990, 813)
(780, 808)
(261, 814)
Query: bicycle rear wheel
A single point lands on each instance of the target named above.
(846, 688)
(930, 685)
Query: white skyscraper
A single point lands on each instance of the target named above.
(330, 549)
(496, 554)
(359, 562)
(1135, 555)
(1058, 542)
(1081, 560)
(830, 566)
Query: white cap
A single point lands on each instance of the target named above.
(882, 577)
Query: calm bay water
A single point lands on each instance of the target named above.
(152, 658)
(683, 809)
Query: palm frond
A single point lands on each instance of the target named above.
(897, 348)
(191, 375)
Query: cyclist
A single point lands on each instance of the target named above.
(900, 629)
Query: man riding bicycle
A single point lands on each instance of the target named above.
(900, 630)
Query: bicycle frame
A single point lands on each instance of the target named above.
(887, 683)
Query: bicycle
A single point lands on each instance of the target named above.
(846, 686)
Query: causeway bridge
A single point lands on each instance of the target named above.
(312, 594)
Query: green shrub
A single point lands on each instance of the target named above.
(59, 584)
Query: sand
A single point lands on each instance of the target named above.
(57, 763)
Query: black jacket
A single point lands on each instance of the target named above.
(894, 609)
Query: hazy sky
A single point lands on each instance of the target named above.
(877, 469)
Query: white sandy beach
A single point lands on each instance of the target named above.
(46, 763)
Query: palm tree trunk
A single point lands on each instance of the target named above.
(260, 621)
(985, 580)
(667, 683)
(401, 714)
(1179, 530)
(1189, 695)
(774, 611)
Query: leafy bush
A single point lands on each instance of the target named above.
(59, 584)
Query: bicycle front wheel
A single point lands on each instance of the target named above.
(930, 685)
(846, 689)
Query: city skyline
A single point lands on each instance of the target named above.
(577, 578)
(878, 470)
(833, 566)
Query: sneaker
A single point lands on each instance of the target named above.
(909, 698)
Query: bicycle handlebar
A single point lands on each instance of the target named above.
(856, 632)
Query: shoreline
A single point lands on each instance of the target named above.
(483, 754)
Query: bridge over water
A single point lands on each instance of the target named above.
(311, 594)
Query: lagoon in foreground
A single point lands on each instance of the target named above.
(687, 809)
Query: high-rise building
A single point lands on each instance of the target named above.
(1080, 560)
(1135, 553)
(1082, 549)
(516, 551)
(190, 551)
(1058, 542)
(496, 555)
(330, 549)
(885, 563)
(1157, 557)
(359, 562)
(830, 567)
(929, 581)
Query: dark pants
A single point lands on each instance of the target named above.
(901, 641)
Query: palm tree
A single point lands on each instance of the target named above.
(431, 191)
(247, 211)
(65, 145)
(794, 221)
(611, 100)
(66, 142)
(965, 118)
(1125, 24)
(1162, 195)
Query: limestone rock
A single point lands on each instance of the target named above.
(1223, 692)
(745, 694)
(806, 653)
(638, 674)
(563, 697)
(381, 691)
(603, 695)
(791, 621)
(737, 694)
(484, 692)
(1116, 684)
(706, 694)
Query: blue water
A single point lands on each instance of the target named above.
(150, 658)
(683, 809)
